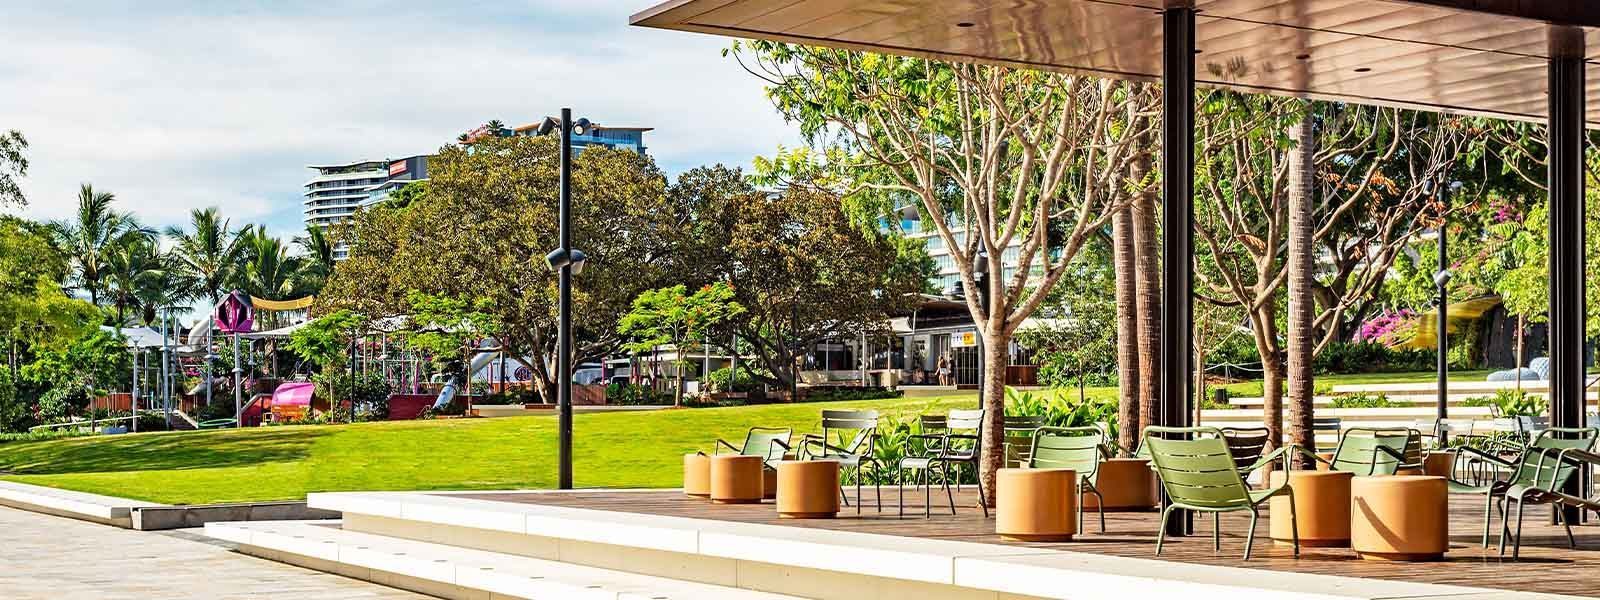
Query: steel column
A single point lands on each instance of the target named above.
(1441, 283)
(1566, 139)
(564, 346)
(1177, 227)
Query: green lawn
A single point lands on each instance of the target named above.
(635, 449)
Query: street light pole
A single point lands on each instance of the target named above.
(564, 347)
(1440, 280)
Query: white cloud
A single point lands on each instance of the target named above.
(181, 108)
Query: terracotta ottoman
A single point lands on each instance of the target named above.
(1128, 485)
(1439, 463)
(1321, 507)
(697, 475)
(1325, 466)
(736, 479)
(769, 483)
(1399, 517)
(808, 489)
(1036, 505)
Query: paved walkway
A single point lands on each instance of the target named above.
(51, 558)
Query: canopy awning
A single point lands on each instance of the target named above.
(137, 337)
(1439, 55)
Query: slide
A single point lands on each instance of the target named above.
(448, 393)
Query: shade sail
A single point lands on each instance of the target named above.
(1457, 56)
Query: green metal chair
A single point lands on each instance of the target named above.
(1019, 431)
(1246, 444)
(1371, 451)
(958, 442)
(1076, 448)
(1537, 471)
(853, 455)
(1198, 473)
(770, 443)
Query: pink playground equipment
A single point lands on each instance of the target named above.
(290, 401)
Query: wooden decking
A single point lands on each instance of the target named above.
(1546, 564)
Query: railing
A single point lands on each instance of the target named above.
(79, 423)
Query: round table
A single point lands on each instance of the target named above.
(736, 479)
(1036, 505)
(697, 475)
(808, 489)
(1399, 517)
(1128, 484)
(1321, 508)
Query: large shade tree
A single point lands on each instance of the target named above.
(13, 166)
(95, 228)
(480, 232)
(999, 160)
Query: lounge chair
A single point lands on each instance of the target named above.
(1198, 473)
(1019, 431)
(1370, 451)
(1076, 448)
(1534, 474)
(1246, 444)
(854, 454)
(770, 443)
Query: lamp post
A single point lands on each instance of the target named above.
(1441, 279)
(567, 261)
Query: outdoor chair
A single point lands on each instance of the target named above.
(1198, 473)
(1246, 444)
(1534, 474)
(1019, 432)
(952, 447)
(770, 443)
(1371, 451)
(854, 455)
(1076, 448)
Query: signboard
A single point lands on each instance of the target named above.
(397, 167)
(964, 339)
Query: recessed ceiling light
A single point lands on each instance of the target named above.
(1363, 69)
(1303, 57)
(1197, 50)
(964, 24)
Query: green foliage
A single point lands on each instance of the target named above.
(15, 414)
(671, 316)
(631, 394)
(62, 402)
(441, 326)
(97, 362)
(727, 379)
(1369, 357)
(845, 394)
(13, 166)
(325, 341)
(371, 394)
(1364, 401)
(1511, 403)
(1062, 409)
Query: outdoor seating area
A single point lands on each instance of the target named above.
(1379, 494)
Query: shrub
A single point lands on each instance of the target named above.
(1061, 409)
(1370, 357)
(726, 380)
(371, 393)
(62, 402)
(845, 394)
(511, 396)
(632, 394)
(1364, 401)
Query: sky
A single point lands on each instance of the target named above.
(174, 106)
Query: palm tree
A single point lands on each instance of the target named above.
(130, 267)
(209, 253)
(96, 228)
(269, 271)
(319, 263)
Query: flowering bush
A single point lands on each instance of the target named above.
(1389, 328)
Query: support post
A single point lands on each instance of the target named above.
(133, 398)
(1441, 282)
(1566, 140)
(564, 346)
(238, 384)
(1177, 227)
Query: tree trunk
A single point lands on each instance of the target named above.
(1271, 390)
(1125, 260)
(995, 359)
(1148, 249)
(677, 394)
(1302, 301)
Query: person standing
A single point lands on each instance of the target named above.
(944, 369)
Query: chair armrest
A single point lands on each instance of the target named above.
(721, 443)
(1308, 454)
(1282, 452)
(1483, 455)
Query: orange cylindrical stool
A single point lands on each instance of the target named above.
(769, 484)
(1321, 508)
(1439, 463)
(1325, 466)
(697, 475)
(1038, 505)
(1399, 517)
(1128, 484)
(736, 479)
(808, 489)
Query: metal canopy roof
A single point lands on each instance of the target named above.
(1483, 57)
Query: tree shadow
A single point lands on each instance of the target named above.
(160, 452)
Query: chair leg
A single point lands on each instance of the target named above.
(1516, 542)
(944, 477)
(900, 483)
(858, 489)
(1562, 520)
(1488, 505)
(1250, 538)
(981, 498)
(1505, 522)
(927, 494)
(1161, 533)
(1294, 524)
(1216, 532)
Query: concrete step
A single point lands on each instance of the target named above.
(106, 510)
(455, 572)
(1427, 387)
(1327, 400)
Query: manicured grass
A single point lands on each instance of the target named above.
(635, 449)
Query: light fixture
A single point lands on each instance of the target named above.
(964, 24)
(559, 258)
(1442, 277)
(1363, 69)
(1302, 57)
